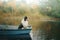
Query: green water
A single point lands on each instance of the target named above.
(49, 31)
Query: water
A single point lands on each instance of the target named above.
(49, 31)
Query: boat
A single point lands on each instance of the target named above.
(14, 34)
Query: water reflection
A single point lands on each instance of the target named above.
(48, 31)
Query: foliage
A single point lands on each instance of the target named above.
(6, 9)
(54, 9)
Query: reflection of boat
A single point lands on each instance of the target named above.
(15, 34)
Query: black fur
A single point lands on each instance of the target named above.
(20, 26)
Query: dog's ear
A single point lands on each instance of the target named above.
(25, 18)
